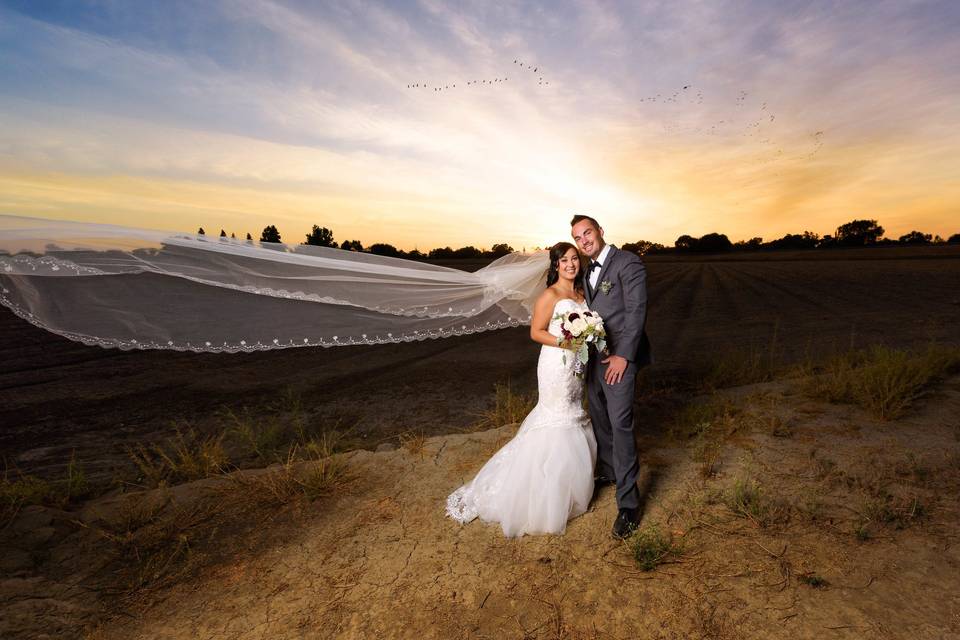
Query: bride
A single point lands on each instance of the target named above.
(544, 475)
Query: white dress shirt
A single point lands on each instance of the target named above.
(595, 273)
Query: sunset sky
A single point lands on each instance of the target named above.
(752, 118)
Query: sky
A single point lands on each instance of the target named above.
(750, 118)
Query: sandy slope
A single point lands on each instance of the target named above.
(381, 560)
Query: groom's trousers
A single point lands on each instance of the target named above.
(611, 412)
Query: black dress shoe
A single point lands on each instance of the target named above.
(625, 524)
(603, 481)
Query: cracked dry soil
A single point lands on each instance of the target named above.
(379, 559)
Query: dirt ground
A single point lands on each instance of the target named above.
(379, 559)
(59, 399)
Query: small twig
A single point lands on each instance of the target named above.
(776, 556)
(844, 626)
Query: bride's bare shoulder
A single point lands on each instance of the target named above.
(547, 300)
(548, 295)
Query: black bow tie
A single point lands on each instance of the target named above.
(593, 265)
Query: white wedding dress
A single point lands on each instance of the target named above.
(544, 475)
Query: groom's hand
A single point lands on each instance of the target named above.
(616, 365)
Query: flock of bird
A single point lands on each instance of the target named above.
(747, 121)
(534, 69)
(758, 127)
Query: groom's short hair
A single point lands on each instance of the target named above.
(580, 218)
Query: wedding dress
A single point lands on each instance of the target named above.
(544, 475)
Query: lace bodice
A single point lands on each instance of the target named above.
(560, 391)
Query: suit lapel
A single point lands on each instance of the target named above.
(605, 266)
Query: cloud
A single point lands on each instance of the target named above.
(309, 104)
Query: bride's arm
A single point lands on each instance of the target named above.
(542, 314)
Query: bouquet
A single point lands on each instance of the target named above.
(578, 330)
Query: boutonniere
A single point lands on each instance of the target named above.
(605, 287)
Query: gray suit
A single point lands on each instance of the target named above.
(624, 311)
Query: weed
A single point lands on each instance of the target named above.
(882, 380)
(717, 415)
(899, 512)
(813, 580)
(706, 451)
(747, 500)
(651, 547)
(24, 490)
(738, 367)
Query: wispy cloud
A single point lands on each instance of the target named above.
(661, 118)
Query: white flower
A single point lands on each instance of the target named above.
(578, 326)
(593, 320)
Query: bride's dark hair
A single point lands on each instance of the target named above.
(557, 251)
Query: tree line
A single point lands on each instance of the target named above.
(323, 237)
(856, 233)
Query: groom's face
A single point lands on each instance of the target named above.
(588, 237)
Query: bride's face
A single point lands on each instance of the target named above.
(569, 265)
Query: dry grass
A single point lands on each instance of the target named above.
(295, 479)
(735, 367)
(155, 541)
(747, 499)
(414, 443)
(181, 458)
(18, 490)
(882, 380)
(509, 407)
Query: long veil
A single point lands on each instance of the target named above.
(132, 288)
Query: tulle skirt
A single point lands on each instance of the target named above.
(537, 481)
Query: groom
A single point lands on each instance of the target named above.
(615, 286)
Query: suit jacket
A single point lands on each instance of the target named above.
(624, 305)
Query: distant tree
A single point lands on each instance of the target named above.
(270, 234)
(416, 254)
(500, 250)
(642, 247)
(382, 249)
(748, 245)
(249, 237)
(441, 253)
(223, 234)
(806, 240)
(233, 235)
(686, 243)
(954, 239)
(859, 233)
(468, 252)
(320, 237)
(714, 243)
(915, 237)
(938, 239)
(826, 242)
(201, 232)
(351, 245)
